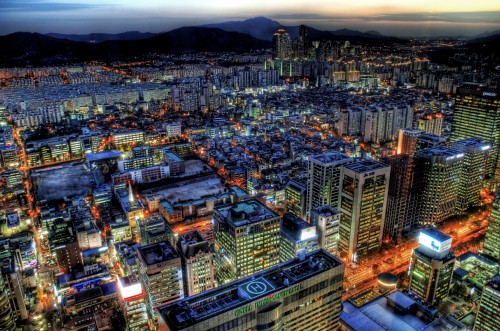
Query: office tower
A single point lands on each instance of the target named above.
(364, 185)
(297, 236)
(491, 246)
(296, 197)
(402, 207)
(13, 285)
(304, 34)
(327, 222)
(7, 318)
(323, 171)
(477, 114)
(160, 271)
(431, 123)
(302, 294)
(133, 303)
(282, 45)
(197, 263)
(247, 237)
(407, 141)
(438, 171)
(64, 244)
(154, 229)
(487, 316)
(431, 266)
(476, 153)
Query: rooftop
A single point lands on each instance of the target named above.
(192, 310)
(365, 165)
(113, 154)
(435, 234)
(157, 253)
(441, 154)
(245, 212)
(330, 158)
(472, 145)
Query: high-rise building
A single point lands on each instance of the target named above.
(301, 294)
(7, 318)
(477, 114)
(429, 140)
(431, 266)
(197, 263)
(323, 171)
(431, 123)
(438, 171)
(407, 141)
(160, 271)
(297, 236)
(247, 237)
(364, 185)
(133, 302)
(402, 204)
(487, 316)
(282, 45)
(304, 35)
(327, 222)
(473, 171)
(491, 246)
(296, 197)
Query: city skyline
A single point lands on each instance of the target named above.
(389, 17)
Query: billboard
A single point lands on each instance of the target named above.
(434, 243)
(13, 220)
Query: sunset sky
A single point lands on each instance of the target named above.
(391, 17)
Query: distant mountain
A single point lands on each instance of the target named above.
(263, 28)
(258, 27)
(100, 37)
(36, 49)
(485, 34)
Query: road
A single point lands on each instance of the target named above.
(363, 276)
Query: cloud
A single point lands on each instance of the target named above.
(459, 17)
(44, 7)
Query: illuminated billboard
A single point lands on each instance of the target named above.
(435, 244)
(308, 233)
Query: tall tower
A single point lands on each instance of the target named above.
(491, 246)
(323, 171)
(474, 167)
(407, 142)
(364, 186)
(304, 34)
(489, 306)
(431, 266)
(197, 263)
(438, 171)
(477, 114)
(7, 318)
(327, 222)
(247, 238)
(282, 45)
(133, 302)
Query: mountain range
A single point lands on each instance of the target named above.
(21, 48)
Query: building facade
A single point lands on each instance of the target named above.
(327, 222)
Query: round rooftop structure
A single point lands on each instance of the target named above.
(387, 281)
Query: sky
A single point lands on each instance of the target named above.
(390, 17)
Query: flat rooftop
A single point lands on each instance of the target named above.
(245, 212)
(113, 154)
(472, 145)
(365, 165)
(330, 157)
(441, 153)
(476, 269)
(189, 190)
(380, 315)
(192, 310)
(435, 234)
(157, 253)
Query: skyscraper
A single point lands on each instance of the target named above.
(133, 302)
(438, 171)
(489, 306)
(296, 197)
(476, 153)
(491, 246)
(402, 204)
(431, 266)
(323, 171)
(282, 45)
(364, 186)
(160, 272)
(297, 236)
(302, 294)
(7, 318)
(477, 114)
(327, 222)
(197, 263)
(247, 238)
(407, 141)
